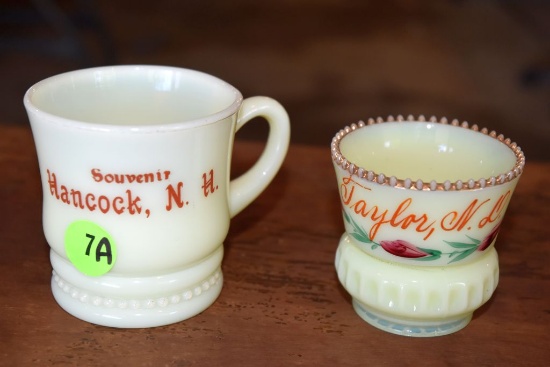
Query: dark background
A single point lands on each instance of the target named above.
(329, 62)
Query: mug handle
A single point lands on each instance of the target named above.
(247, 187)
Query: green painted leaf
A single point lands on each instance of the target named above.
(434, 254)
(360, 237)
(463, 255)
(454, 253)
(476, 241)
(359, 233)
(346, 216)
(365, 235)
(461, 245)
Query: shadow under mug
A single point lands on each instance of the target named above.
(137, 199)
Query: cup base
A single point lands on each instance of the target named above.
(137, 302)
(410, 327)
(421, 301)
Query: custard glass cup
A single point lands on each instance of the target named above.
(422, 202)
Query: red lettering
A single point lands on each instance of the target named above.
(133, 206)
(104, 204)
(64, 196)
(403, 215)
(174, 196)
(77, 199)
(52, 181)
(208, 183)
(130, 204)
(149, 177)
(399, 218)
(346, 197)
(455, 221)
(96, 175)
(496, 211)
(120, 178)
(90, 198)
(118, 209)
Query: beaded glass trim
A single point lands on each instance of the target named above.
(149, 303)
(407, 183)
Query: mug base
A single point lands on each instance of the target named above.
(137, 302)
(421, 301)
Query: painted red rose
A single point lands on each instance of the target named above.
(487, 241)
(403, 249)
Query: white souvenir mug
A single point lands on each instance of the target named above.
(137, 199)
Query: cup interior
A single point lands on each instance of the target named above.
(427, 151)
(134, 95)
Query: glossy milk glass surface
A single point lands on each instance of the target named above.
(135, 167)
(423, 202)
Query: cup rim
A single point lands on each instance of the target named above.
(137, 128)
(380, 178)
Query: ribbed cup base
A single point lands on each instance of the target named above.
(418, 301)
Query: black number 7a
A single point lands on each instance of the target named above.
(103, 248)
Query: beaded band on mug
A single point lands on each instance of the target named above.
(420, 185)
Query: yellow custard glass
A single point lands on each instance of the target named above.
(423, 202)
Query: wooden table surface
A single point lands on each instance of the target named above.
(281, 303)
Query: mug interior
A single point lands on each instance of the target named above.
(426, 151)
(134, 95)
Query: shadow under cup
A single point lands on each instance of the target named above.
(423, 202)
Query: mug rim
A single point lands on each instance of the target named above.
(134, 128)
(380, 178)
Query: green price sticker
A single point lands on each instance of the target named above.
(90, 248)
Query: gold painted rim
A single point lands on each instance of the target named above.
(420, 185)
